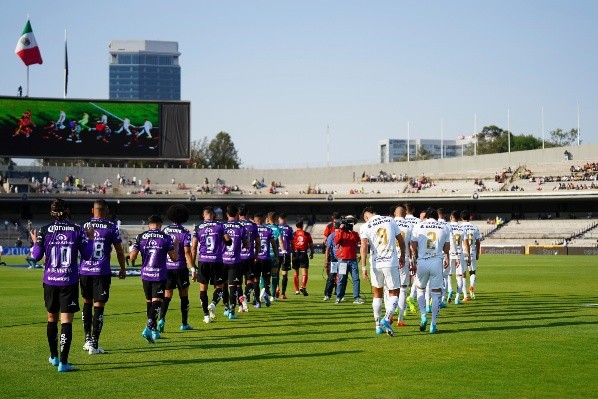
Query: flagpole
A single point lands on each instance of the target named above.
(408, 145)
(65, 66)
(542, 127)
(27, 91)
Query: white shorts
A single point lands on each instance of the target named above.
(388, 277)
(430, 271)
(405, 275)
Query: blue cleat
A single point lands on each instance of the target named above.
(232, 316)
(266, 299)
(54, 361)
(147, 334)
(257, 305)
(433, 329)
(155, 335)
(185, 327)
(442, 305)
(379, 330)
(424, 323)
(386, 324)
(226, 312)
(64, 368)
(161, 325)
(457, 301)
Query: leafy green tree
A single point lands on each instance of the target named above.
(423, 154)
(561, 138)
(222, 153)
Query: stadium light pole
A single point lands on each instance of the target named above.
(509, 130)
(542, 127)
(328, 145)
(441, 138)
(475, 134)
(578, 132)
(408, 143)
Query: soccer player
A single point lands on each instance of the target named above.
(445, 265)
(154, 246)
(472, 235)
(430, 244)
(178, 271)
(346, 241)
(302, 241)
(456, 263)
(413, 221)
(249, 258)
(405, 272)
(61, 120)
(382, 234)
(206, 247)
(146, 129)
(264, 261)
(330, 264)
(126, 125)
(284, 258)
(277, 235)
(60, 242)
(231, 258)
(95, 275)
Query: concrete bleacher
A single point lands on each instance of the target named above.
(555, 229)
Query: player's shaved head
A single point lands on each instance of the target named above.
(400, 211)
(100, 208)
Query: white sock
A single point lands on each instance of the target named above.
(435, 306)
(449, 283)
(464, 287)
(428, 294)
(459, 285)
(386, 298)
(377, 307)
(390, 310)
(472, 280)
(421, 300)
(444, 289)
(413, 292)
(402, 303)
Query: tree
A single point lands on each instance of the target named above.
(492, 139)
(200, 153)
(222, 153)
(560, 138)
(423, 154)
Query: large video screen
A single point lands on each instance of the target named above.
(53, 128)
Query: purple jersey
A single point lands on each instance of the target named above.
(184, 236)
(231, 254)
(209, 235)
(61, 242)
(153, 245)
(287, 237)
(265, 233)
(250, 236)
(105, 235)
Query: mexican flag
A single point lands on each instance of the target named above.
(27, 48)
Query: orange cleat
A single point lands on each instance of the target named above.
(400, 323)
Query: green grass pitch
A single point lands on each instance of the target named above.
(531, 332)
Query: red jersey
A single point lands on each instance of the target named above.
(302, 240)
(346, 242)
(328, 230)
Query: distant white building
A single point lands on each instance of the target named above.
(395, 150)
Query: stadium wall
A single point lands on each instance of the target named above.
(339, 174)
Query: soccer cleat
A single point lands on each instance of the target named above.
(87, 344)
(64, 368)
(303, 291)
(283, 296)
(212, 310)
(384, 323)
(379, 330)
(244, 304)
(185, 327)
(358, 301)
(466, 299)
(161, 325)
(424, 323)
(257, 305)
(428, 309)
(326, 298)
(155, 335)
(262, 293)
(411, 305)
(232, 316)
(207, 319)
(147, 334)
(451, 295)
(457, 301)
(337, 301)
(277, 293)
(433, 329)
(54, 361)
(400, 323)
(297, 293)
(226, 312)
(471, 292)
(442, 305)
(96, 351)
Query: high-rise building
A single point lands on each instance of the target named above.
(144, 70)
(395, 150)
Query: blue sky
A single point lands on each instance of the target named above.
(274, 74)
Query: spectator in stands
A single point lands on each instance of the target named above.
(19, 243)
(6, 225)
(1, 251)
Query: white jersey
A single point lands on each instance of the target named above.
(406, 229)
(471, 233)
(456, 238)
(381, 233)
(412, 220)
(148, 126)
(104, 119)
(430, 236)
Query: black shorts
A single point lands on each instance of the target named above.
(211, 273)
(177, 278)
(154, 289)
(263, 267)
(300, 259)
(235, 273)
(247, 268)
(61, 298)
(95, 288)
(285, 262)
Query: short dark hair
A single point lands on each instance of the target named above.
(440, 212)
(455, 214)
(100, 204)
(232, 210)
(369, 209)
(209, 209)
(336, 215)
(272, 216)
(465, 215)
(431, 213)
(282, 216)
(59, 210)
(299, 224)
(391, 210)
(242, 209)
(155, 219)
(258, 216)
(178, 213)
(410, 208)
